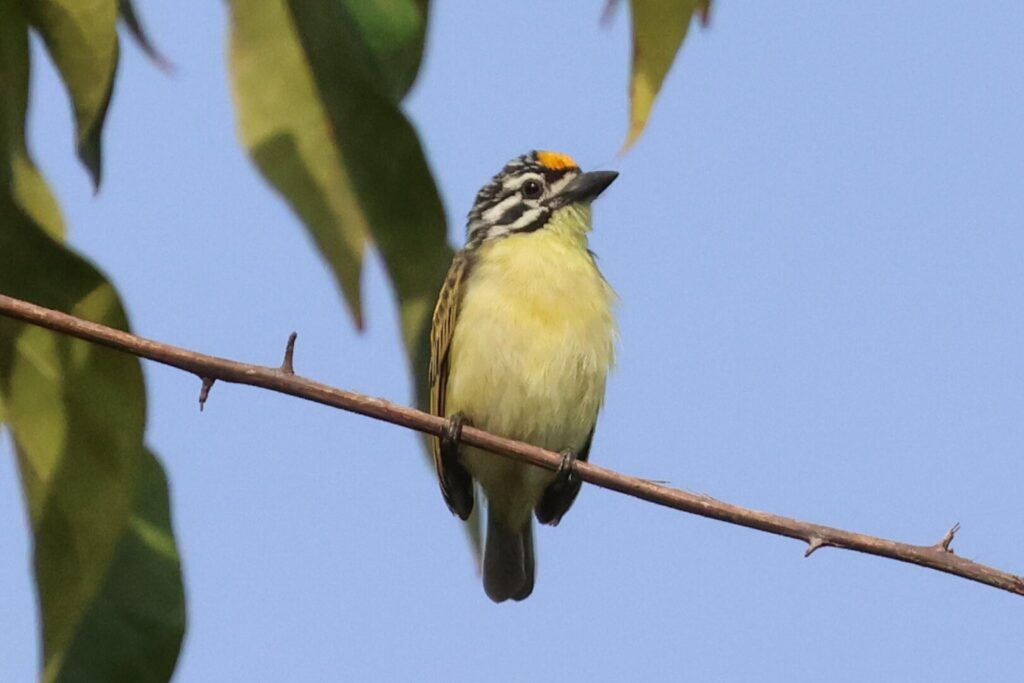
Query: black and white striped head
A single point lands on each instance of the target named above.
(527, 192)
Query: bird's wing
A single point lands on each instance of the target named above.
(456, 483)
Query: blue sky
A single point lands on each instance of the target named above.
(819, 246)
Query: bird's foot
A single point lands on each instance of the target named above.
(453, 429)
(566, 472)
(562, 490)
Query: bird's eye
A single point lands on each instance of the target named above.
(532, 189)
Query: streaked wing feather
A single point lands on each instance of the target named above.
(456, 483)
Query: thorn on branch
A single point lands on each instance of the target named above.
(289, 352)
(204, 393)
(947, 540)
(813, 543)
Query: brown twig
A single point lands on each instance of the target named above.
(938, 556)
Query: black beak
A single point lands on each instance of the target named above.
(585, 187)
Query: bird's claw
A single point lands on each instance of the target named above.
(453, 429)
(566, 471)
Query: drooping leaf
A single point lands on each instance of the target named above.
(659, 27)
(317, 85)
(393, 31)
(314, 57)
(106, 566)
(141, 35)
(24, 179)
(284, 125)
(386, 164)
(81, 37)
(135, 622)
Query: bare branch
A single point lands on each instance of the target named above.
(939, 556)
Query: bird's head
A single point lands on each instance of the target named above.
(529, 192)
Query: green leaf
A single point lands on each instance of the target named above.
(135, 623)
(141, 36)
(393, 31)
(81, 37)
(659, 27)
(284, 125)
(312, 57)
(386, 165)
(26, 183)
(317, 84)
(106, 566)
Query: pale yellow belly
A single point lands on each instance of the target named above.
(530, 353)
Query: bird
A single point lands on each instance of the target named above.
(522, 340)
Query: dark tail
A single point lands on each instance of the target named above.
(508, 560)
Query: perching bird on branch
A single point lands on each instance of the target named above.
(522, 341)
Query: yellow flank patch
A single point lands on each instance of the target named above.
(556, 161)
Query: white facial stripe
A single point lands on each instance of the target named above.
(526, 219)
(492, 214)
(514, 183)
(522, 222)
(560, 184)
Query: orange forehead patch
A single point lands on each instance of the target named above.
(556, 161)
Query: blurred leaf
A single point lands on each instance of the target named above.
(18, 170)
(285, 127)
(135, 623)
(659, 27)
(141, 36)
(81, 36)
(387, 168)
(317, 84)
(393, 31)
(106, 564)
(312, 57)
(107, 571)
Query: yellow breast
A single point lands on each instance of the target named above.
(533, 342)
